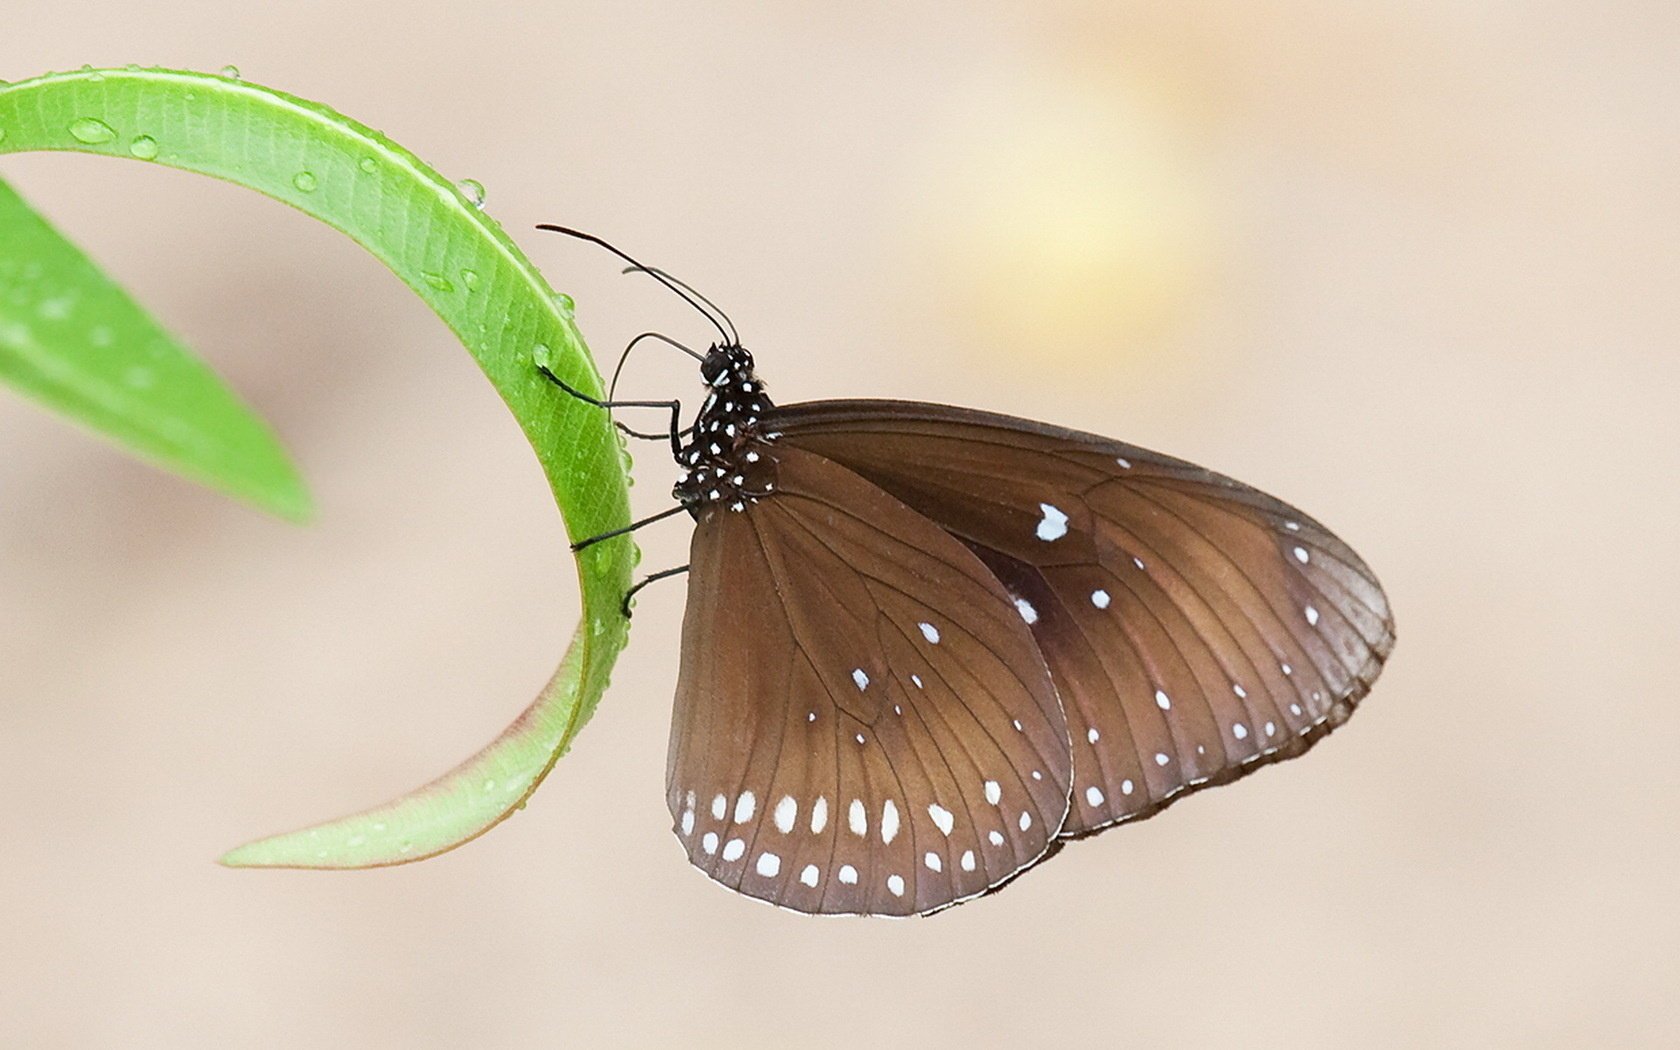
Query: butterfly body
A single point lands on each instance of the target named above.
(723, 463)
(924, 646)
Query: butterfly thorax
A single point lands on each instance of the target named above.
(724, 463)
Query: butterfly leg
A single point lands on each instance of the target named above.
(631, 593)
(632, 527)
(673, 405)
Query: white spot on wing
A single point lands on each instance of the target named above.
(930, 632)
(1054, 525)
(860, 678)
(1125, 787)
(1162, 701)
(995, 838)
(744, 807)
(768, 865)
(993, 792)
(688, 822)
(819, 815)
(931, 859)
(895, 885)
(917, 679)
(942, 817)
(1161, 758)
(968, 860)
(1239, 731)
(1025, 608)
(1026, 820)
(733, 849)
(709, 843)
(1094, 796)
(1312, 616)
(720, 805)
(889, 822)
(787, 811)
(856, 818)
(848, 874)
(1099, 598)
(1301, 555)
(809, 875)
(1092, 735)
(1126, 463)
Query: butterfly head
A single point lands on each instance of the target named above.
(726, 364)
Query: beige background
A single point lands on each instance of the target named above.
(1411, 266)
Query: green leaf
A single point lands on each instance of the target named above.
(76, 342)
(462, 264)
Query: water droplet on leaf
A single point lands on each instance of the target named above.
(92, 131)
(542, 356)
(469, 278)
(472, 190)
(144, 147)
(368, 165)
(230, 71)
(565, 303)
(437, 280)
(305, 181)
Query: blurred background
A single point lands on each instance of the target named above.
(1408, 265)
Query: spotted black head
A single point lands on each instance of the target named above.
(725, 364)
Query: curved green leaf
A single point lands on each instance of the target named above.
(461, 263)
(73, 340)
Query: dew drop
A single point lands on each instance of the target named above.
(565, 303)
(368, 165)
(472, 190)
(542, 356)
(305, 181)
(437, 281)
(92, 131)
(144, 147)
(469, 278)
(230, 71)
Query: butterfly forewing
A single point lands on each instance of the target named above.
(864, 723)
(1194, 626)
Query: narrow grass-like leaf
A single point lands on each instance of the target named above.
(77, 343)
(442, 245)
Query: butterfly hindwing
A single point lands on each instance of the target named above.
(1196, 628)
(863, 721)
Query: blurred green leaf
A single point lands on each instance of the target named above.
(436, 238)
(77, 343)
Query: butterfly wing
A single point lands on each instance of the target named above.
(863, 723)
(1196, 628)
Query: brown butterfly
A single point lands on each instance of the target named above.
(924, 646)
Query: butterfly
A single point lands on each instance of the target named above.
(926, 646)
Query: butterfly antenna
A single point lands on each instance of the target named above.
(734, 333)
(675, 286)
(625, 356)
